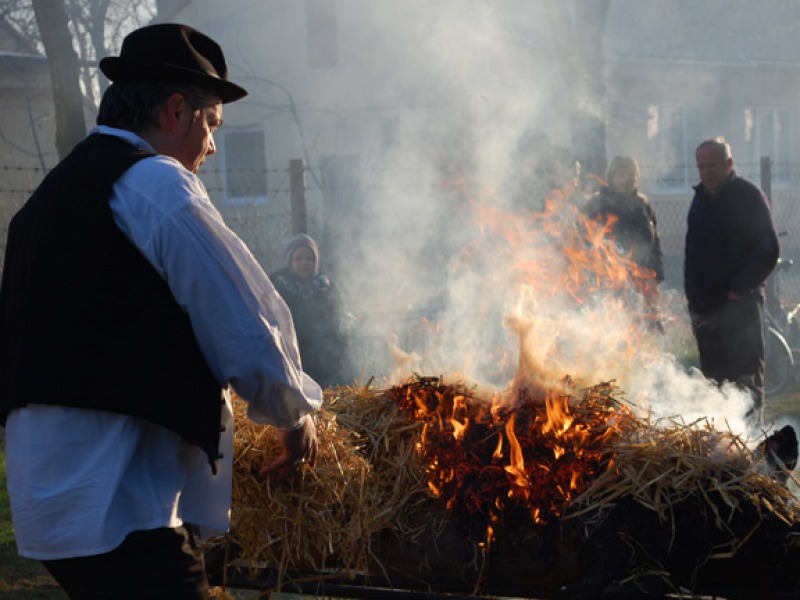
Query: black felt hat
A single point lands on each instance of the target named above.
(172, 52)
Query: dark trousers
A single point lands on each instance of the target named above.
(155, 564)
(730, 340)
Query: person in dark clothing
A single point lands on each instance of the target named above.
(129, 312)
(731, 248)
(634, 227)
(317, 310)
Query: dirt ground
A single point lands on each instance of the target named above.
(22, 579)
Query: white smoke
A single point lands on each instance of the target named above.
(441, 291)
(455, 86)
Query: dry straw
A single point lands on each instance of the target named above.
(323, 519)
(662, 466)
(369, 479)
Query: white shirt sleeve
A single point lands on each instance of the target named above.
(241, 323)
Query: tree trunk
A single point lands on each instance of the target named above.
(51, 18)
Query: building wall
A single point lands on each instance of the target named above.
(394, 94)
(398, 88)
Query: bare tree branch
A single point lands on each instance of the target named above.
(74, 43)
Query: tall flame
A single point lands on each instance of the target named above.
(536, 445)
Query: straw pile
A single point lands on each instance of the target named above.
(370, 479)
(660, 467)
(322, 518)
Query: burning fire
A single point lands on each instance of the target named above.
(536, 446)
(492, 457)
(577, 302)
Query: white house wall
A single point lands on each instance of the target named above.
(408, 74)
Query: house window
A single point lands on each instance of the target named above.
(245, 167)
(767, 133)
(666, 134)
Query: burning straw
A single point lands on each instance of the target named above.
(426, 450)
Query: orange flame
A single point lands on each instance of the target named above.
(485, 456)
(537, 447)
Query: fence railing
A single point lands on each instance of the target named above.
(298, 204)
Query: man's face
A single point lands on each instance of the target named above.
(196, 139)
(713, 167)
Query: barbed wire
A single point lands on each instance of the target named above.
(263, 219)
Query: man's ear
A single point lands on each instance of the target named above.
(174, 112)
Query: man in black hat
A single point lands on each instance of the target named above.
(127, 308)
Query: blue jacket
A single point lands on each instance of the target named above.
(731, 244)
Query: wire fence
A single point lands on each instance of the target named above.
(265, 222)
(671, 198)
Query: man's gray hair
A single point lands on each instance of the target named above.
(134, 105)
(719, 143)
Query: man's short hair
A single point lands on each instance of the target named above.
(134, 105)
(720, 143)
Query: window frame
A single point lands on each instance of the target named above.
(668, 158)
(229, 196)
(779, 147)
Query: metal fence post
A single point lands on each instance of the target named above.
(772, 299)
(766, 177)
(297, 195)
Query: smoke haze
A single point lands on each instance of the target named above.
(444, 251)
(457, 112)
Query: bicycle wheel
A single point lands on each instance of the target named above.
(792, 333)
(779, 362)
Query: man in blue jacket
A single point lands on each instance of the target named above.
(731, 248)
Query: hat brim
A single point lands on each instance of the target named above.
(118, 69)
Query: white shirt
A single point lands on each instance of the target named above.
(80, 480)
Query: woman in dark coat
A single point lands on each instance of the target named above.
(316, 307)
(635, 230)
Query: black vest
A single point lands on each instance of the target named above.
(85, 320)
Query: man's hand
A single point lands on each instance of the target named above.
(299, 446)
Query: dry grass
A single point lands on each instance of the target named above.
(324, 517)
(370, 478)
(661, 467)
